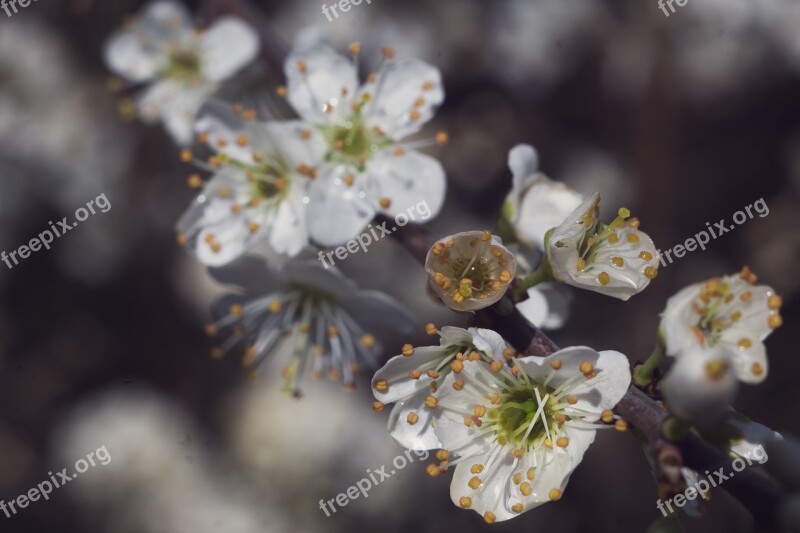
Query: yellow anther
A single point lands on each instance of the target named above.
(555, 364)
(509, 353)
(275, 306)
(195, 181)
(431, 402)
(377, 406)
(525, 489)
(774, 302)
(236, 310)
(607, 416)
(456, 366)
(496, 366)
(646, 256)
(476, 468)
(474, 482)
(562, 442)
(242, 140)
(554, 495)
(433, 374)
(465, 502)
(442, 455)
(757, 369)
(572, 400)
(517, 508)
(430, 328)
(368, 341)
(621, 425)
(530, 473)
(633, 238)
(586, 367)
(517, 478)
(407, 350)
(618, 262)
(489, 517)
(381, 385)
(217, 353)
(305, 134)
(433, 470)
(354, 48)
(736, 315)
(613, 238)
(479, 410)
(253, 227)
(186, 155)
(603, 278)
(458, 384)
(428, 86)
(412, 418)
(519, 453)
(415, 374)
(650, 272)
(388, 52)
(442, 138)
(385, 203)
(775, 321)
(505, 276)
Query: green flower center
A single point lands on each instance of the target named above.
(352, 142)
(479, 271)
(516, 411)
(183, 65)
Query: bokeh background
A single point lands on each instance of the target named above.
(684, 120)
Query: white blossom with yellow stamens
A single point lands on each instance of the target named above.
(536, 203)
(617, 259)
(731, 311)
(259, 190)
(314, 314)
(183, 65)
(409, 380)
(369, 169)
(516, 435)
(470, 270)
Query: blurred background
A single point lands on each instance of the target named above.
(684, 119)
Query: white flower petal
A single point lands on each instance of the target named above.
(543, 205)
(488, 342)
(535, 308)
(337, 212)
(418, 436)
(319, 79)
(396, 370)
(226, 47)
(176, 105)
(288, 137)
(406, 181)
(288, 230)
(395, 97)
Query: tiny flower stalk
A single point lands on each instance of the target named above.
(616, 259)
(470, 270)
(643, 373)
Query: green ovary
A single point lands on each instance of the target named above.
(183, 65)
(514, 415)
(477, 272)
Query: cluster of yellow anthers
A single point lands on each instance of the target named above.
(236, 319)
(470, 267)
(529, 421)
(722, 303)
(628, 226)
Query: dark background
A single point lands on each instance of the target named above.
(684, 120)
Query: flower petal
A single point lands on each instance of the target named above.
(417, 436)
(227, 46)
(403, 97)
(337, 212)
(176, 105)
(320, 83)
(489, 342)
(535, 308)
(396, 370)
(407, 180)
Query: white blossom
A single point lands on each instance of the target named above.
(617, 259)
(732, 312)
(182, 65)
